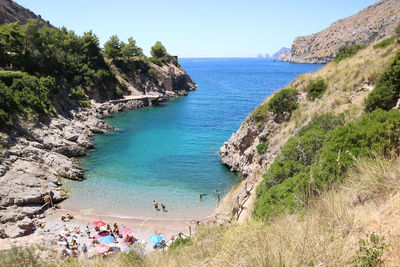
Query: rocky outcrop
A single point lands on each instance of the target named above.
(12, 12)
(280, 52)
(371, 24)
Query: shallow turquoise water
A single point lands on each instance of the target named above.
(169, 153)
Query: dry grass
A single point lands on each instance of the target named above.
(326, 234)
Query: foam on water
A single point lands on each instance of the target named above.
(169, 153)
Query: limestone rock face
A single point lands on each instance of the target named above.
(165, 81)
(371, 24)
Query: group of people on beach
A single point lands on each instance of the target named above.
(69, 237)
(216, 191)
(163, 207)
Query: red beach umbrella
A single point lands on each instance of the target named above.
(98, 223)
(102, 248)
(125, 231)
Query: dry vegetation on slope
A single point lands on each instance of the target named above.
(327, 234)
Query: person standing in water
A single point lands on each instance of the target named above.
(218, 199)
(163, 207)
(155, 203)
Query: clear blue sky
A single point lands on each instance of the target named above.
(199, 28)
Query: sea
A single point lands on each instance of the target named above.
(170, 153)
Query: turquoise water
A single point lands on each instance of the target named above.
(169, 153)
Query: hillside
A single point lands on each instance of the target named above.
(371, 24)
(12, 12)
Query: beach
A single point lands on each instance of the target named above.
(142, 228)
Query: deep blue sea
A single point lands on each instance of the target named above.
(169, 153)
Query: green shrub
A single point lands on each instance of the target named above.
(158, 50)
(156, 61)
(348, 51)
(376, 132)
(316, 89)
(284, 100)
(152, 74)
(385, 43)
(180, 242)
(303, 169)
(262, 148)
(260, 113)
(174, 61)
(370, 250)
(119, 93)
(387, 88)
(78, 94)
(4, 119)
(26, 94)
(286, 180)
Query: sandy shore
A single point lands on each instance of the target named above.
(142, 229)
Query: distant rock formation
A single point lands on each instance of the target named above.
(12, 12)
(371, 24)
(280, 52)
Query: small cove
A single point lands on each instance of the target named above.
(169, 153)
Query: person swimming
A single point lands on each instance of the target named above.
(202, 195)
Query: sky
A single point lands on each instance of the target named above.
(199, 28)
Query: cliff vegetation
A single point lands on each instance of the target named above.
(48, 70)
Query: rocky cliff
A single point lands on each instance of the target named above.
(371, 24)
(12, 12)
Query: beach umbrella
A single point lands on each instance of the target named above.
(102, 248)
(106, 239)
(125, 231)
(98, 223)
(155, 239)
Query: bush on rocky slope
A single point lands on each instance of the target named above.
(317, 159)
(283, 101)
(316, 89)
(348, 51)
(25, 94)
(387, 89)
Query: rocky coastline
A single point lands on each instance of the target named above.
(35, 155)
(374, 23)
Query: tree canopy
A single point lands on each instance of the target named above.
(112, 48)
(158, 50)
(128, 50)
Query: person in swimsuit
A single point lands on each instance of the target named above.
(155, 203)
